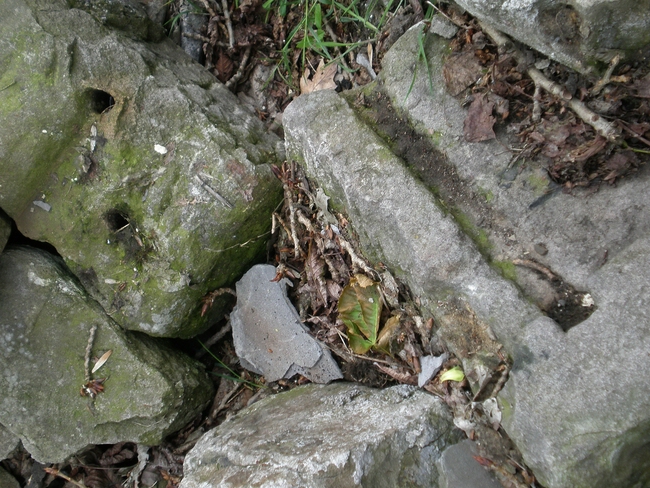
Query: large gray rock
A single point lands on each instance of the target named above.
(268, 335)
(8, 481)
(45, 322)
(599, 244)
(340, 435)
(142, 169)
(8, 442)
(459, 469)
(578, 33)
(398, 220)
(572, 427)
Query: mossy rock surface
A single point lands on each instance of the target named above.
(149, 392)
(156, 181)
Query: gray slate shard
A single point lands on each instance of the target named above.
(458, 469)
(268, 335)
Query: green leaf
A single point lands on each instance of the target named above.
(318, 17)
(454, 374)
(359, 309)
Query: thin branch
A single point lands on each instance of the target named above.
(600, 125)
(527, 263)
(226, 14)
(89, 349)
(240, 71)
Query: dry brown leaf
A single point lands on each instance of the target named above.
(479, 121)
(323, 79)
(224, 68)
(460, 71)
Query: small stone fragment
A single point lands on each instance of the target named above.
(541, 249)
(268, 335)
(45, 206)
(442, 27)
(430, 366)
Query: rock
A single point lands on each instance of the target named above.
(158, 180)
(578, 34)
(268, 335)
(458, 469)
(8, 481)
(140, 20)
(398, 219)
(339, 435)
(572, 427)
(592, 436)
(8, 442)
(5, 229)
(45, 321)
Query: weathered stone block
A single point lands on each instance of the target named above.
(45, 322)
(339, 435)
(578, 33)
(154, 182)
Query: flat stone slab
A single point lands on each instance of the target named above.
(458, 469)
(576, 401)
(338, 435)
(268, 335)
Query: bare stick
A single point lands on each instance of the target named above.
(537, 110)
(356, 260)
(401, 377)
(240, 71)
(58, 473)
(212, 192)
(210, 10)
(214, 339)
(600, 125)
(89, 349)
(607, 76)
(226, 14)
(283, 224)
(536, 266)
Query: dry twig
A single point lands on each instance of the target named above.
(226, 14)
(89, 349)
(240, 71)
(600, 125)
(536, 266)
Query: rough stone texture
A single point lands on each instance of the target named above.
(578, 33)
(45, 322)
(5, 229)
(576, 403)
(268, 335)
(147, 233)
(8, 442)
(340, 435)
(458, 469)
(397, 218)
(8, 481)
(595, 435)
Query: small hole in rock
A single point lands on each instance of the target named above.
(115, 220)
(101, 101)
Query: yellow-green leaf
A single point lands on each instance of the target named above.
(388, 334)
(453, 374)
(359, 309)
